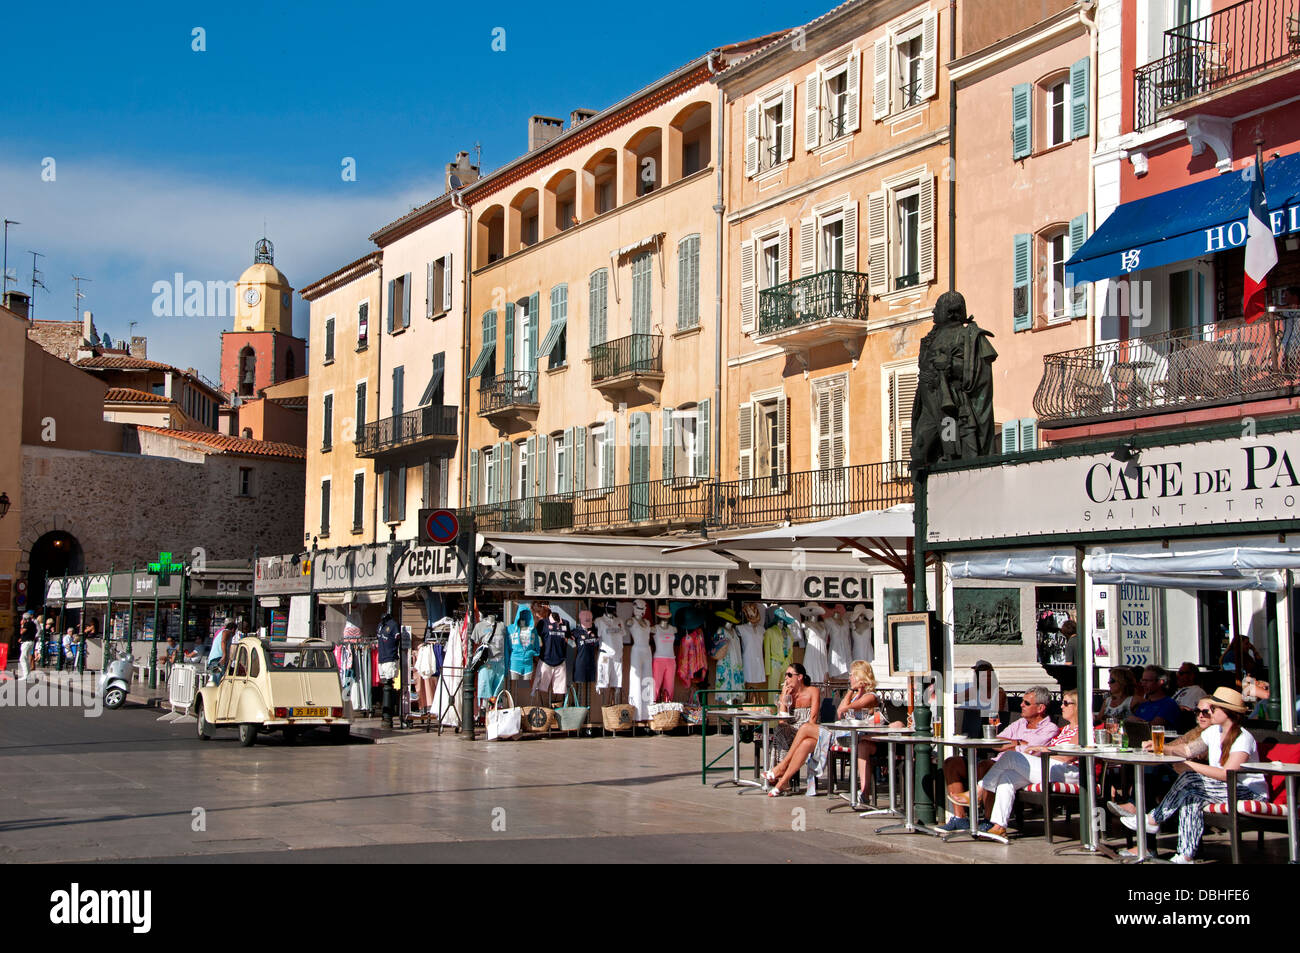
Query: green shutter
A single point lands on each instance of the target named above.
(406, 300)
(530, 341)
(1078, 235)
(392, 285)
(702, 425)
(668, 443)
(505, 472)
(607, 451)
(688, 282)
(542, 463)
(1021, 109)
(473, 478)
(1011, 436)
(530, 457)
(598, 294)
(508, 340)
(1022, 283)
(1079, 99)
(578, 454)
(489, 344)
(639, 445)
(641, 294)
(386, 507)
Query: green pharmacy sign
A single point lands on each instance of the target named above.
(164, 568)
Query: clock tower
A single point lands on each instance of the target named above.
(265, 300)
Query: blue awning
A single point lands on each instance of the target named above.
(1191, 222)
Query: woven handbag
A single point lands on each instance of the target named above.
(666, 720)
(571, 716)
(537, 719)
(618, 717)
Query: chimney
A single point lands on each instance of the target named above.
(579, 116)
(18, 303)
(462, 169)
(543, 129)
(88, 329)
(139, 347)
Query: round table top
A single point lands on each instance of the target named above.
(862, 726)
(1271, 767)
(964, 742)
(1133, 756)
(734, 712)
(768, 716)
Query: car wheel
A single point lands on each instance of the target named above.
(339, 734)
(247, 735)
(204, 727)
(114, 697)
(290, 735)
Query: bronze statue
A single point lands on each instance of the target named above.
(952, 416)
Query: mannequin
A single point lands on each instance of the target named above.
(641, 682)
(841, 641)
(389, 636)
(586, 640)
(665, 658)
(729, 677)
(864, 642)
(551, 674)
(492, 671)
(778, 646)
(751, 641)
(609, 664)
(524, 644)
(814, 631)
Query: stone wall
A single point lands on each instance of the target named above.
(124, 507)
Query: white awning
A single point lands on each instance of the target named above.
(1037, 565)
(594, 552)
(818, 560)
(650, 241)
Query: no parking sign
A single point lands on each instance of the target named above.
(438, 526)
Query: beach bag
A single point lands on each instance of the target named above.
(503, 723)
(618, 717)
(538, 719)
(571, 716)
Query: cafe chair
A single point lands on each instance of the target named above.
(1233, 814)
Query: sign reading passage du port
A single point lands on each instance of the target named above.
(438, 526)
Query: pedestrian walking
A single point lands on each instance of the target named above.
(27, 633)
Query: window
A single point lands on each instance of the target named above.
(361, 406)
(563, 467)
(837, 104)
(247, 373)
(688, 282)
(641, 293)
(910, 67)
(764, 263)
(600, 456)
(1057, 246)
(900, 233)
(555, 344)
(904, 66)
(523, 488)
(399, 303)
(1058, 103)
(565, 218)
(438, 287)
(773, 127)
(769, 130)
(771, 272)
(528, 228)
(490, 484)
(832, 245)
(686, 442)
(899, 383)
(363, 324)
(394, 495)
(604, 196)
(1020, 436)
(907, 207)
(245, 481)
(830, 411)
(358, 500)
(433, 391)
(325, 507)
(519, 346)
(329, 340)
(327, 423)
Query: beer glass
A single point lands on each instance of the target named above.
(1158, 739)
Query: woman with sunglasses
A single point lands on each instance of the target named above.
(799, 697)
(1228, 746)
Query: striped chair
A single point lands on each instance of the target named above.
(1234, 813)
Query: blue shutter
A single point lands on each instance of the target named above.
(598, 293)
(1078, 235)
(473, 478)
(508, 340)
(392, 285)
(530, 341)
(399, 385)
(1011, 436)
(1022, 142)
(1079, 99)
(1022, 312)
(702, 425)
(1028, 434)
(406, 300)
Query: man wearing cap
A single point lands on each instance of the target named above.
(220, 652)
(26, 645)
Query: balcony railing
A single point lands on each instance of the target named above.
(1215, 50)
(793, 497)
(634, 354)
(827, 294)
(423, 423)
(512, 389)
(1214, 364)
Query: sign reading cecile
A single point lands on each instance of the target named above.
(625, 582)
(1242, 480)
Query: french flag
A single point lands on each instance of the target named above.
(1261, 251)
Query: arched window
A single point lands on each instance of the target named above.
(247, 372)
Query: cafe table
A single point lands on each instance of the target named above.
(735, 714)
(1086, 845)
(1288, 772)
(853, 729)
(1139, 760)
(910, 824)
(766, 719)
(971, 746)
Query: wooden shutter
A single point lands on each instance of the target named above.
(783, 254)
(1011, 436)
(902, 394)
(1022, 253)
(852, 94)
(877, 242)
(529, 464)
(473, 478)
(361, 404)
(668, 447)
(406, 300)
(543, 464)
(399, 390)
(782, 448)
(751, 139)
(641, 291)
(428, 290)
(597, 300)
(838, 396)
(787, 122)
(508, 340)
(385, 488)
(745, 427)
(570, 454)
(392, 287)
(1078, 295)
(505, 472)
(607, 450)
(929, 55)
(688, 282)
(530, 332)
(327, 424)
(880, 79)
(747, 290)
(850, 233)
(1079, 99)
(703, 424)
(822, 423)
(426, 484)
(807, 246)
(1028, 434)
(324, 507)
(358, 499)
(925, 231)
(1021, 128)
(446, 282)
(401, 493)
(811, 111)
(578, 455)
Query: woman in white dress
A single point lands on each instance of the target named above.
(641, 681)
(841, 642)
(814, 633)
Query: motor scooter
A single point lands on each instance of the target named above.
(115, 681)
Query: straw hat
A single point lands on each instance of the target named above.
(860, 613)
(728, 615)
(1228, 698)
(663, 612)
(812, 611)
(638, 607)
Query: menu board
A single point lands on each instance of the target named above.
(908, 635)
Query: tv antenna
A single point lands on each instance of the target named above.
(5, 287)
(77, 294)
(36, 283)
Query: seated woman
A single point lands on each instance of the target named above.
(1016, 769)
(860, 703)
(1188, 745)
(1228, 745)
(799, 698)
(1119, 703)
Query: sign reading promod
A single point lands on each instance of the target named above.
(624, 582)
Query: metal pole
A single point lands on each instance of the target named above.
(919, 522)
(469, 551)
(311, 591)
(153, 651)
(1281, 704)
(1083, 667)
(58, 634)
(130, 618)
(185, 585)
(85, 604)
(252, 598)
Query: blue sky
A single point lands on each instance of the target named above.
(169, 160)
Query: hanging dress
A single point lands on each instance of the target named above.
(863, 642)
(692, 660)
(814, 655)
(751, 640)
(641, 680)
(778, 647)
(841, 645)
(729, 678)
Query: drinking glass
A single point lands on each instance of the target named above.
(1158, 739)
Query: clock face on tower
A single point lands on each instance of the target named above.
(285, 299)
(252, 296)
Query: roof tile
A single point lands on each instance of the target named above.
(224, 443)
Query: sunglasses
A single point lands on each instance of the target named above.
(1204, 712)
(1063, 704)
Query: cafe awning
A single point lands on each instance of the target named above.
(1191, 222)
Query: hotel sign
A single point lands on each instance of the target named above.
(1211, 483)
(279, 575)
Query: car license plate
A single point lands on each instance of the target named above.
(309, 712)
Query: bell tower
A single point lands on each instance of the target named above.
(263, 294)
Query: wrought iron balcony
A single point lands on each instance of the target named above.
(627, 360)
(1215, 52)
(1225, 363)
(815, 309)
(424, 424)
(509, 392)
(656, 504)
